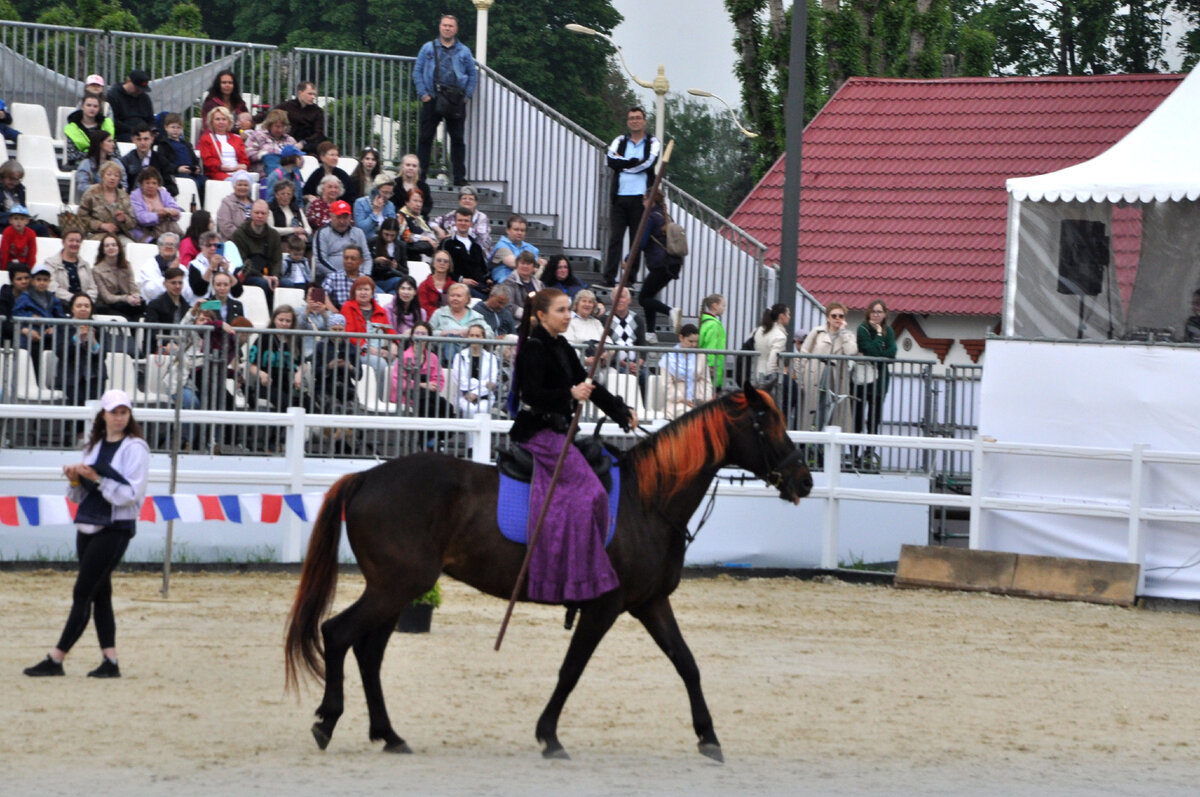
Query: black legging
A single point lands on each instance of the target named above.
(99, 555)
(867, 407)
(656, 280)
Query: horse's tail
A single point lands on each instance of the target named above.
(318, 579)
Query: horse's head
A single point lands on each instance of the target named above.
(764, 449)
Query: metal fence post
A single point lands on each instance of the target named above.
(975, 523)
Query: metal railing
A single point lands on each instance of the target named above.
(200, 367)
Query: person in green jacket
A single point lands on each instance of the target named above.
(712, 335)
(88, 118)
(875, 339)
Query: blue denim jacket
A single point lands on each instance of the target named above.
(465, 73)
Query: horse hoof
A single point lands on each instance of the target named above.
(712, 751)
(556, 753)
(397, 747)
(320, 735)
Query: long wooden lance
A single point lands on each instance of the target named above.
(574, 427)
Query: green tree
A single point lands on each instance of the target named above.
(711, 159)
(184, 20)
(9, 11)
(763, 45)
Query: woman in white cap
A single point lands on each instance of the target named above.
(235, 208)
(109, 486)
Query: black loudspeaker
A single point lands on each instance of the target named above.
(1082, 257)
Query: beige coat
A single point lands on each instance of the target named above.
(60, 283)
(95, 210)
(826, 383)
(114, 284)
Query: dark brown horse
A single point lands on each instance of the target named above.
(448, 524)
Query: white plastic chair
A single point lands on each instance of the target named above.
(366, 394)
(656, 397)
(60, 122)
(290, 296)
(214, 192)
(28, 388)
(37, 152)
(187, 193)
(30, 119)
(348, 165)
(308, 165)
(42, 196)
(254, 300)
(88, 251)
(197, 128)
(48, 248)
(4, 277)
(124, 148)
(626, 386)
(418, 270)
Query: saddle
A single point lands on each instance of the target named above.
(516, 463)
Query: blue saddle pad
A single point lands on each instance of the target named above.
(512, 510)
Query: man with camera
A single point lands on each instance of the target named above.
(445, 76)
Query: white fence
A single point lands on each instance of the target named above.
(835, 490)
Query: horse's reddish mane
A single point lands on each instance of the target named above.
(676, 455)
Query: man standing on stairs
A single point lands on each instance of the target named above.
(632, 158)
(445, 76)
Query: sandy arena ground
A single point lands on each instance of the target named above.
(815, 688)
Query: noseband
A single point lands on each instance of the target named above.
(774, 474)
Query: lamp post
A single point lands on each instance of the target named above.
(481, 23)
(728, 107)
(659, 85)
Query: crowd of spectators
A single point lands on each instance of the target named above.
(345, 242)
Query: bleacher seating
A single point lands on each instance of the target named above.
(254, 301)
(308, 165)
(37, 152)
(42, 196)
(60, 122)
(348, 165)
(187, 193)
(214, 192)
(290, 296)
(30, 119)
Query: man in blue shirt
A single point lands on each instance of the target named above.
(445, 76)
(503, 257)
(632, 158)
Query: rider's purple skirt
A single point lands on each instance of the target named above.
(569, 562)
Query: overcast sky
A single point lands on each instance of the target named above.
(692, 39)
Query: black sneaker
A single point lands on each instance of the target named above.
(46, 666)
(107, 669)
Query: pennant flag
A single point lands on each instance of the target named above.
(8, 511)
(166, 505)
(312, 504)
(211, 506)
(29, 505)
(295, 502)
(72, 507)
(147, 513)
(272, 508)
(233, 510)
(55, 510)
(190, 508)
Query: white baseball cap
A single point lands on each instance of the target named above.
(115, 398)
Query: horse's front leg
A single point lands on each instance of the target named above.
(594, 621)
(659, 619)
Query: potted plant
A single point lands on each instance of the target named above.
(418, 615)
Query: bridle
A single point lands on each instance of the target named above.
(774, 474)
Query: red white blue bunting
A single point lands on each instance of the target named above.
(56, 510)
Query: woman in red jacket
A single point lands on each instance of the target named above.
(222, 150)
(431, 293)
(364, 314)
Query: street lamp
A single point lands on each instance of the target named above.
(732, 114)
(659, 85)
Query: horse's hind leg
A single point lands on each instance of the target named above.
(594, 622)
(659, 619)
(339, 633)
(369, 652)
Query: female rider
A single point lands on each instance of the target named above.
(569, 562)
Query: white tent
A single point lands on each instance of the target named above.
(1061, 275)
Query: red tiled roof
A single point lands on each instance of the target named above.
(903, 181)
